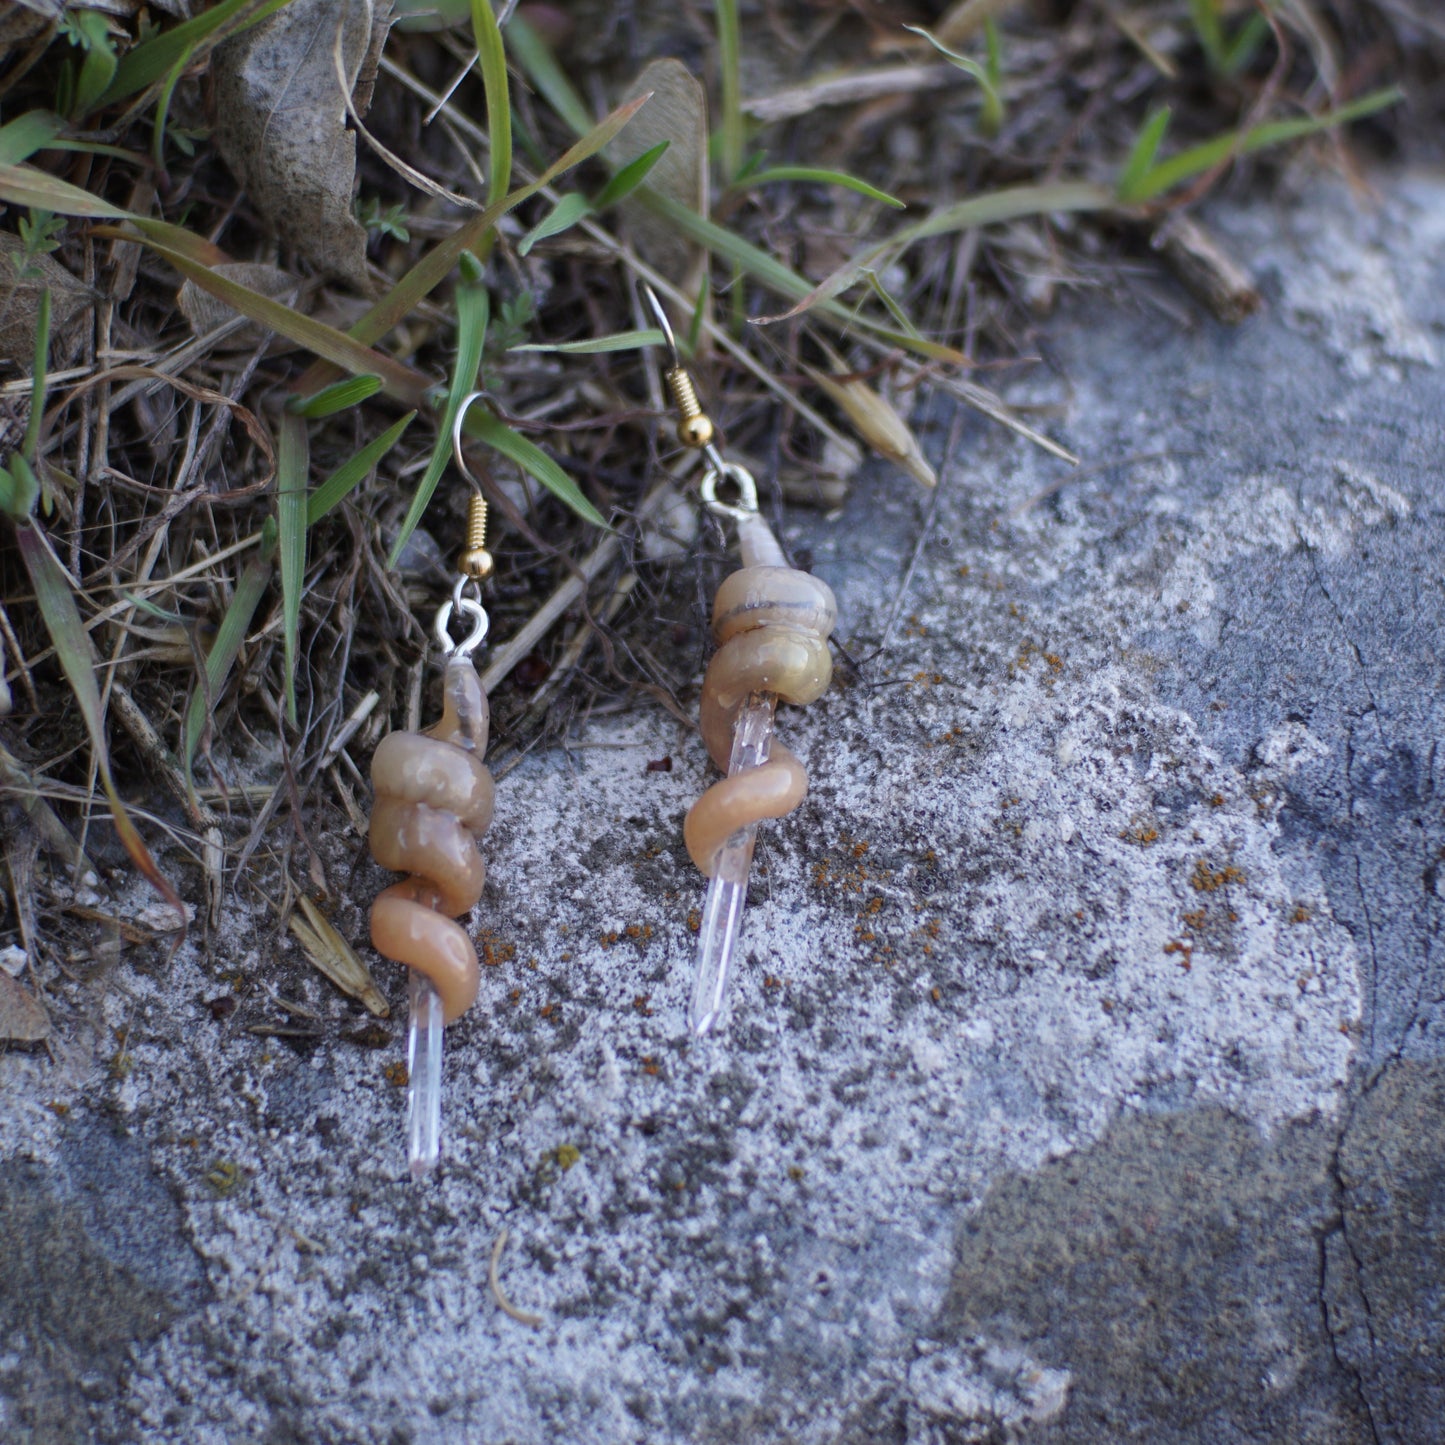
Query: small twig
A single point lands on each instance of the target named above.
(540, 623)
(862, 85)
(350, 727)
(522, 1317)
(577, 645)
(22, 789)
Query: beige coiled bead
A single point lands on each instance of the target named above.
(433, 801)
(772, 625)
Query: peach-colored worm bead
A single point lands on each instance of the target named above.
(772, 625)
(433, 800)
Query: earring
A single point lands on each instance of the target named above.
(433, 801)
(771, 623)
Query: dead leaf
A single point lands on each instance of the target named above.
(677, 114)
(281, 122)
(332, 955)
(23, 1019)
(206, 312)
(877, 422)
(21, 287)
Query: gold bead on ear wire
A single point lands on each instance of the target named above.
(694, 425)
(475, 561)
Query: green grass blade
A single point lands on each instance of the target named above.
(549, 79)
(562, 217)
(163, 110)
(996, 206)
(293, 466)
(473, 312)
(37, 379)
(349, 474)
(1204, 157)
(729, 49)
(26, 134)
(620, 341)
(56, 601)
(336, 397)
(1247, 40)
(96, 72)
(338, 347)
(183, 242)
(1209, 31)
(629, 177)
(1141, 155)
(824, 178)
(992, 116)
(19, 488)
(480, 423)
(899, 315)
(436, 265)
(492, 59)
(153, 58)
(23, 185)
(227, 647)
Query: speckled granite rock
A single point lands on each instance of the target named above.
(1083, 1081)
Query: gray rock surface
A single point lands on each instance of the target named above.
(1083, 1081)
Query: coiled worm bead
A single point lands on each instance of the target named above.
(772, 625)
(433, 801)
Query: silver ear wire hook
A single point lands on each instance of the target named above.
(664, 325)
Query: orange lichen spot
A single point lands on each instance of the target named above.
(1185, 949)
(1141, 833)
(859, 849)
(694, 919)
(771, 982)
(650, 1066)
(1217, 801)
(494, 952)
(547, 1011)
(873, 905)
(1205, 879)
(1301, 914)
(936, 994)
(515, 995)
(608, 939)
(1055, 662)
(59, 1109)
(1195, 919)
(396, 1075)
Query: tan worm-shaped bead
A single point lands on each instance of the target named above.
(433, 801)
(772, 624)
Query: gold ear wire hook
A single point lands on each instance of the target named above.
(694, 425)
(475, 561)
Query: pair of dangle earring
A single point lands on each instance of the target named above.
(434, 794)
(771, 623)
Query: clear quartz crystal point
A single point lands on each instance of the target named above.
(722, 914)
(424, 1072)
